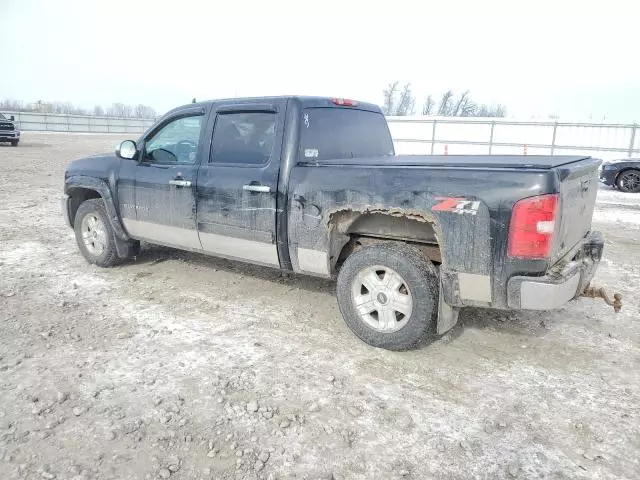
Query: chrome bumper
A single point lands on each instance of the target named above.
(562, 283)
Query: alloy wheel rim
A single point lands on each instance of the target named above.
(382, 298)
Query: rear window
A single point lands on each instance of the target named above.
(337, 133)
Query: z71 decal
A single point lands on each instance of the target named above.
(456, 205)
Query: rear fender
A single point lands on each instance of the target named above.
(458, 226)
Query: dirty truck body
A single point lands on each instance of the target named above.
(312, 185)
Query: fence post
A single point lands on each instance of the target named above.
(68, 123)
(493, 125)
(633, 139)
(433, 136)
(553, 138)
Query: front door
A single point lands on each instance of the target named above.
(165, 182)
(237, 186)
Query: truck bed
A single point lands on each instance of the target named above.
(539, 162)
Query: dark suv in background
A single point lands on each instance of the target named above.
(8, 130)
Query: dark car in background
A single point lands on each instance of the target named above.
(8, 130)
(623, 174)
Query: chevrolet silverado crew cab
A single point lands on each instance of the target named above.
(8, 130)
(313, 186)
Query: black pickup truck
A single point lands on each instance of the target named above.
(312, 185)
(8, 130)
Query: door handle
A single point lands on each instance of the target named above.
(257, 188)
(180, 183)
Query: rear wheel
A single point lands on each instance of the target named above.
(629, 181)
(388, 295)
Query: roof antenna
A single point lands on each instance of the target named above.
(194, 100)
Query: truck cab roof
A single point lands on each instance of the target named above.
(305, 102)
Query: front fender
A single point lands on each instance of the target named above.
(102, 188)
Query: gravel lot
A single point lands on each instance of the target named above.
(186, 367)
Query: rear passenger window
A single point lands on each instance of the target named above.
(245, 138)
(339, 133)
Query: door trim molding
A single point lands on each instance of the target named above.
(240, 248)
(165, 234)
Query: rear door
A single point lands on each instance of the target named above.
(165, 182)
(237, 184)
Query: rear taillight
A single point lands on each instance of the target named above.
(533, 222)
(345, 102)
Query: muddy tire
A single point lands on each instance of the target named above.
(629, 181)
(94, 234)
(388, 296)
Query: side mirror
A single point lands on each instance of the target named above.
(12, 118)
(127, 150)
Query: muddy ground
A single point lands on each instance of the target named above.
(186, 367)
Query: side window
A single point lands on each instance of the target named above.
(176, 142)
(245, 138)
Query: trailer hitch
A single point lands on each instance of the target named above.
(595, 292)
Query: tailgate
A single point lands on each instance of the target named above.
(577, 189)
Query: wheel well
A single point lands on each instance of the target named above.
(352, 230)
(637, 169)
(77, 196)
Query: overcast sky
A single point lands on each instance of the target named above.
(576, 59)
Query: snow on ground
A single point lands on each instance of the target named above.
(613, 196)
(186, 367)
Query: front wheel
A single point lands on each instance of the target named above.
(629, 181)
(94, 234)
(388, 295)
(14, 143)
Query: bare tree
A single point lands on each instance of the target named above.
(445, 104)
(68, 108)
(499, 110)
(143, 111)
(11, 105)
(406, 105)
(388, 106)
(427, 108)
(45, 107)
(449, 106)
(120, 110)
(460, 104)
(468, 109)
(491, 111)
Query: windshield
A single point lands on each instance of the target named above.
(3, 117)
(337, 133)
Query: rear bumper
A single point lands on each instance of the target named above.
(564, 282)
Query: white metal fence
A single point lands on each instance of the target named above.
(79, 123)
(424, 135)
(452, 136)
